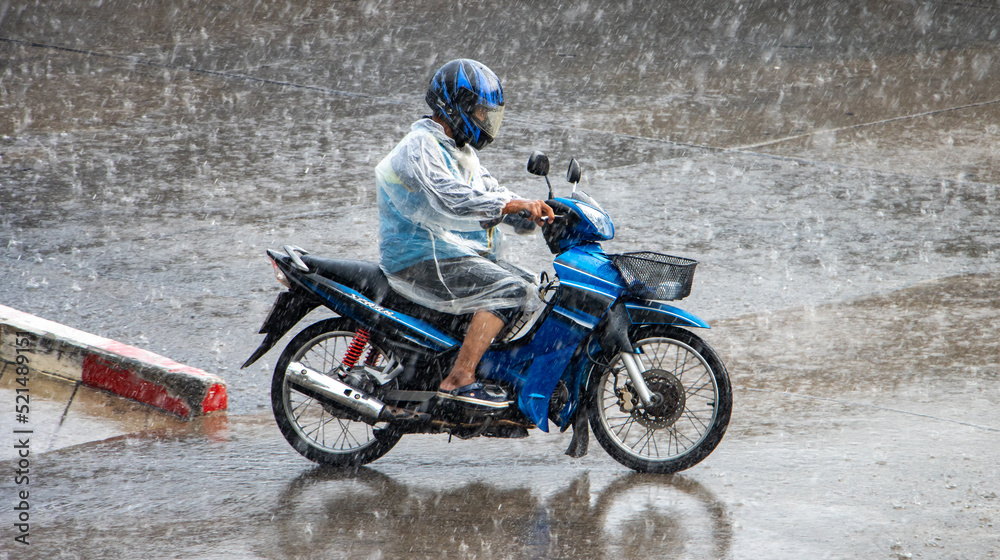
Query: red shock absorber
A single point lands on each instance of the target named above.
(356, 348)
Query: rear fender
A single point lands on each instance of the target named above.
(287, 311)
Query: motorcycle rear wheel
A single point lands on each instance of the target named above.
(687, 424)
(320, 432)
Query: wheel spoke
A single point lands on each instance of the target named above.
(648, 439)
(692, 390)
(683, 365)
(346, 431)
(700, 425)
(625, 426)
(303, 405)
(662, 432)
(319, 425)
(673, 444)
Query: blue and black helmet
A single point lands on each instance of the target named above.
(467, 96)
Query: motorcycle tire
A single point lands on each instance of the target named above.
(694, 405)
(319, 432)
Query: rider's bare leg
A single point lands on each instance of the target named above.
(483, 328)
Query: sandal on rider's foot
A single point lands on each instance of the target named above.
(475, 395)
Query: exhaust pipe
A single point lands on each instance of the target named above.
(338, 393)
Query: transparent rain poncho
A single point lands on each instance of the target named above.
(438, 236)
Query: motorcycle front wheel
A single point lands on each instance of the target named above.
(692, 405)
(319, 431)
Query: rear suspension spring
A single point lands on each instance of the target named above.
(356, 348)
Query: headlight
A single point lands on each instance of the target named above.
(599, 219)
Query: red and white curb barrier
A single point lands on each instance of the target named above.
(106, 364)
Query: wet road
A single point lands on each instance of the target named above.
(816, 159)
(874, 449)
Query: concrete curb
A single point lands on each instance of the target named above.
(106, 364)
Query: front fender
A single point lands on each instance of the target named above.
(647, 312)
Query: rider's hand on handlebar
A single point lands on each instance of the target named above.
(537, 210)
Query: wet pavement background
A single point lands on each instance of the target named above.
(834, 169)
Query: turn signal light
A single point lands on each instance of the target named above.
(280, 276)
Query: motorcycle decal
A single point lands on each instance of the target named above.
(372, 305)
(578, 318)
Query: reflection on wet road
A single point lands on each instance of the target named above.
(634, 516)
(242, 494)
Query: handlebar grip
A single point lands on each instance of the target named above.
(527, 216)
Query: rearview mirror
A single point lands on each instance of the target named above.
(573, 173)
(538, 164)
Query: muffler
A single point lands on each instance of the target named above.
(337, 392)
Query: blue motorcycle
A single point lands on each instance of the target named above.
(604, 349)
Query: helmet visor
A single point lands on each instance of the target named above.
(488, 119)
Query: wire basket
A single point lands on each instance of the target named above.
(654, 275)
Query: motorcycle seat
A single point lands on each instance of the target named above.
(363, 276)
(367, 278)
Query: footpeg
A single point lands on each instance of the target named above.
(396, 414)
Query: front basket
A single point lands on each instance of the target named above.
(656, 276)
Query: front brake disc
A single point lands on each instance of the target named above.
(670, 405)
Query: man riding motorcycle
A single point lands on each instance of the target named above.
(438, 215)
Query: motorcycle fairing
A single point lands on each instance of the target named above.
(588, 265)
(535, 368)
(581, 224)
(575, 379)
(586, 299)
